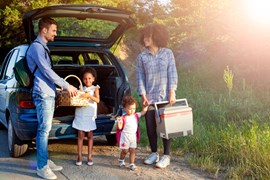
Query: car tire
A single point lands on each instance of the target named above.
(111, 139)
(16, 147)
(2, 126)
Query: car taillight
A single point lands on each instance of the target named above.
(27, 104)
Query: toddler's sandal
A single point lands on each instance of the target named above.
(90, 163)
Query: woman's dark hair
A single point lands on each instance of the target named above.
(158, 32)
(128, 100)
(88, 70)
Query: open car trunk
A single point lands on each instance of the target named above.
(107, 108)
(108, 81)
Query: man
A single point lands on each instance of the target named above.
(44, 92)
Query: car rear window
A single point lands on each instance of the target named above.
(88, 28)
(79, 58)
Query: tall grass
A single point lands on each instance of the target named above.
(231, 129)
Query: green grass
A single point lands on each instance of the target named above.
(231, 131)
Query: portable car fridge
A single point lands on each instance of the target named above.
(174, 120)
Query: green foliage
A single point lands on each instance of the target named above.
(228, 78)
(206, 163)
(12, 17)
(231, 134)
(86, 28)
(147, 11)
(39, 4)
(248, 148)
(11, 30)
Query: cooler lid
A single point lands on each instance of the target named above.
(174, 109)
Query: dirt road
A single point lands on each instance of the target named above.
(63, 152)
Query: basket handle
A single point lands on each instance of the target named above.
(72, 75)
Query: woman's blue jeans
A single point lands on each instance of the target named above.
(45, 109)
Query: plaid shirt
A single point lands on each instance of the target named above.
(156, 74)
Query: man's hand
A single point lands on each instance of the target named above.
(72, 90)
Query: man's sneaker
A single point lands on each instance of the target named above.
(121, 163)
(153, 157)
(53, 166)
(164, 161)
(46, 173)
(132, 167)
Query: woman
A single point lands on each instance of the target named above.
(156, 81)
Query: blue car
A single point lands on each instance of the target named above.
(85, 36)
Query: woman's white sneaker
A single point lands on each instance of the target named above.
(153, 157)
(164, 161)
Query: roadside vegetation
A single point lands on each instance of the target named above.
(231, 128)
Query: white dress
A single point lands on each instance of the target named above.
(85, 117)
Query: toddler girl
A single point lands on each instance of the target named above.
(128, 124)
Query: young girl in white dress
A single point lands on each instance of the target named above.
(84, 120)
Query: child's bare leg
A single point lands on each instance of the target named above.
(81, 135)
(90, 145)
(123, 154)
(131, 155)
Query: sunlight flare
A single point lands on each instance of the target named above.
(259, 10)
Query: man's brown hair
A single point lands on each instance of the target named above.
(45, 22)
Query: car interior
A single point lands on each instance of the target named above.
(107, 78)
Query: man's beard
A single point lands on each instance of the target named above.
(50, 39)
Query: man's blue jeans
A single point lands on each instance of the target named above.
(45, 109)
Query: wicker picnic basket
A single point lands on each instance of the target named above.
(64, 99)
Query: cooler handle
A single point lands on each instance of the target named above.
(177, 100)
(167, 102)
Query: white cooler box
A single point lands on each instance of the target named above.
(174, 120)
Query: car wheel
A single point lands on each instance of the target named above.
(111, 139)
(15, 146)
(2, 126)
